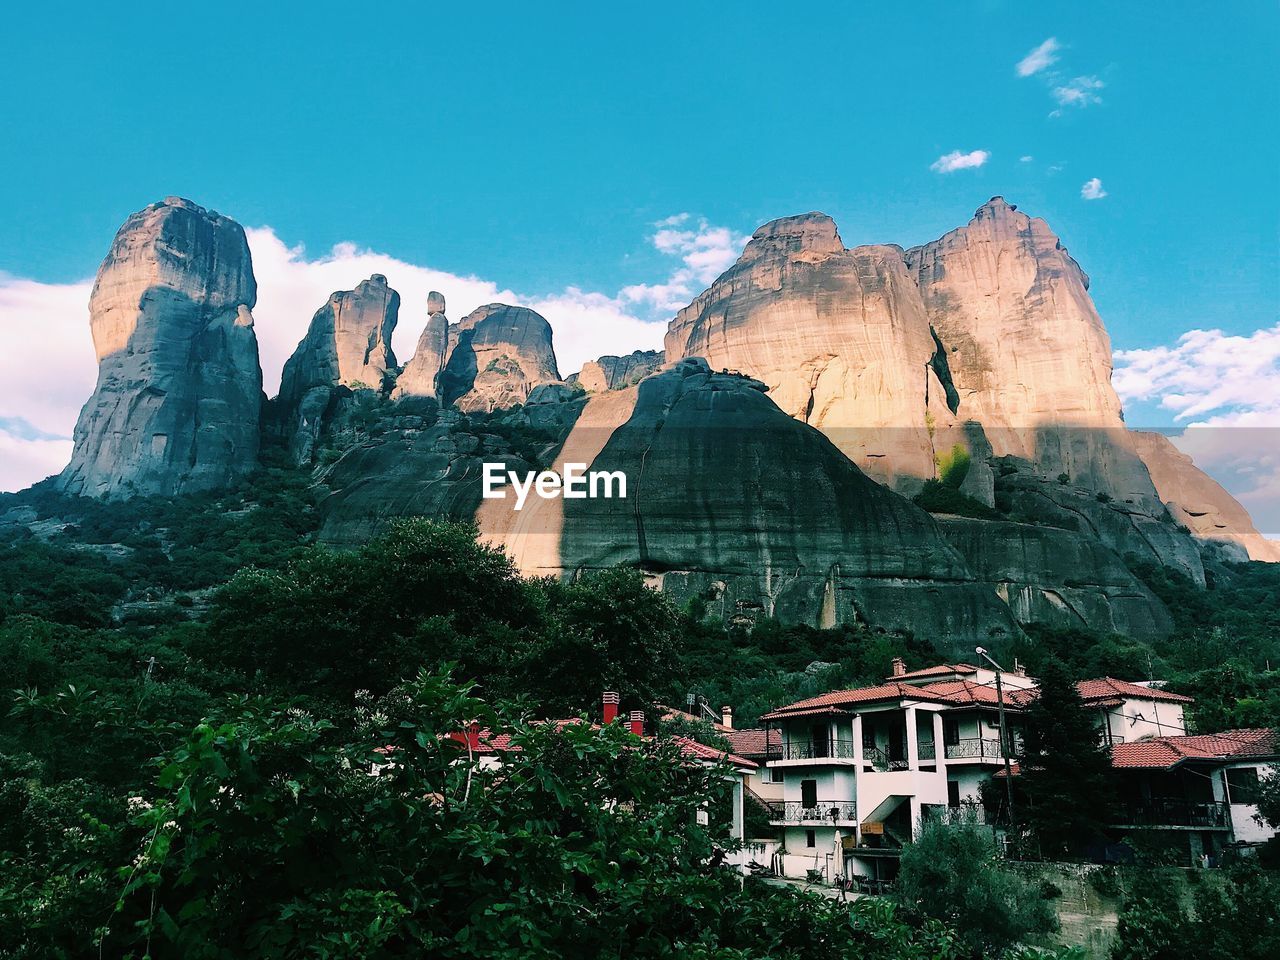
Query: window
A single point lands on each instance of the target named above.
(868, 734)
(1242, 785)
(808, 794)
(950, 731)
(774, 775)
(953, 794)
(810, 838)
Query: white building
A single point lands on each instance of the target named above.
(860, 768)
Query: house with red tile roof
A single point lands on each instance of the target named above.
(1197, 793)
(491, 747)
(860, 768)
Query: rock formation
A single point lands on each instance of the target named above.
(497, 355)
(179, 393)
(839, 336)
(727, 493)
(420, 375)
(1026, 350)
(1199, 502)
(614, 373)
(348, 344)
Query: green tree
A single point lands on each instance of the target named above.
(605, 631)
(1066, 783)
(951, 873)
(269, 837)
(334, 622)
(1233, 915)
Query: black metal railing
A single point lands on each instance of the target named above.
(823, 811)
(880, 761)
(928, 752)
(1172, 813)
(817, 749)
(975, 748)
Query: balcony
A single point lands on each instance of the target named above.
(817, 749)
(881, 761)
(824, 811)
(1209, 815)
(975, 748)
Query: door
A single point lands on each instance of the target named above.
(808, 794)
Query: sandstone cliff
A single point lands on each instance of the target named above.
(1199, 502)
(348, 344)
(420, 375)
(497, 355)
(179, 392)
(614, 373)
(1026, 350)
(839, 336)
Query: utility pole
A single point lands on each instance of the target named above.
(1004, 730)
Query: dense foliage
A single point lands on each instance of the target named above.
(198, 689)
(1231, 915)
(952, 873)
(1066, 787)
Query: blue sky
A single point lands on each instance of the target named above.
(535, 146)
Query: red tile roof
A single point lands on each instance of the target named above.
(961, 692)
(1109, 688)
(700, 751)
(754, 742)
(1161, 753)
(941, 669)
(832, 702)
(490, 743)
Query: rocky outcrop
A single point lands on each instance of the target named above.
(839, 336)
(1026, 351)
(178, 400)
(614, 373)
(347, 345)
(727, 494)
(1058, 577)
(1199, 502)
(497, 355)
(420, 375)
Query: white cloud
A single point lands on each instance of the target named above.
(705, 253)
(1042, 56)
(955, 160)
(1080, 92)
(1092, 190)
(1026, 158)
(48, 366)
(1220, 380)
(1226, 390)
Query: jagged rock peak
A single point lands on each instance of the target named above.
(420, 376)
(615, 373)
(178, 398)
(497, 354)
(348, 341)
(806, 236)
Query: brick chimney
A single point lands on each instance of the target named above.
(637, 722)
(726, 716)
(609, 702)
(899, 667)
(473, 736)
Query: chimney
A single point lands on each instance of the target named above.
(473, 736)
(610, 706)
(726, 716)
(899, 666)
(1019, 668)
(637, 722)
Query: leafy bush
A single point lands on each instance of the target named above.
(951, 873)
(938, 497)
